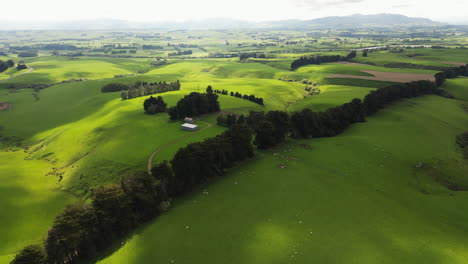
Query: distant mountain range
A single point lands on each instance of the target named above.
(353, 21)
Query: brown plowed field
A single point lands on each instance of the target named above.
(388, 76)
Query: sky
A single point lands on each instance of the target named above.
(252, 10)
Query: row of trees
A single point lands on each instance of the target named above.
(318, 59)
(4, 65)
(140, 88)
(145, 88)
(179, 53)
(451, 73)
(252, 98)
(27, 54)
(243, 56)
(84, 230)
(194, 104)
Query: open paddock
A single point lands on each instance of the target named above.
(387, 76)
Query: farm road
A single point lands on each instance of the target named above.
(30, 69)
(150, 160)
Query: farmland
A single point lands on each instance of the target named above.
(378, 191)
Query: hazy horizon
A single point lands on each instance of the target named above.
(452, 11)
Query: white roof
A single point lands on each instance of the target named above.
(189, 125)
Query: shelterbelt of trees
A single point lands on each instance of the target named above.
(83, 231)
(140, 88)
(318, 59)
(252, 98)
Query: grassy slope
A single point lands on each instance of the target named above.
(444, 55)
(29, 201)
(96, 137)
(355, 198)
(382, 58)
(458, 87)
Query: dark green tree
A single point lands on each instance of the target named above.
(264, 135)
(10, 63)
(32, 254)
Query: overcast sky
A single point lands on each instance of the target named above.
(254, 10)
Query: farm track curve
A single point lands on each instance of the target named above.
(30, 69)
(150, 160)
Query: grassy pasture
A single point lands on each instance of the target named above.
(458, 87)
(95, 138)
(29, 201)
(384, 57)
(444, 55)
(355, 198)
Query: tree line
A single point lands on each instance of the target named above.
(82, 231)
(318, 59)
(246, 55)
(140, 88)
(179, 53)
(252, 98)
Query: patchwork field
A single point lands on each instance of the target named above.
(361, 192)
(388, 76)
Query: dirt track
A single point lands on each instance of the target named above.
(150, 160)
(387, 76)
(5, 106)
(30, 69)
(351, 63)
(454, 63)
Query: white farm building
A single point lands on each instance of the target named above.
(188, 127)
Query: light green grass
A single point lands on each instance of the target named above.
(330, 96)
(29, 201)
(457, 87)
(355, 198)
(384, 57)
(10, 73)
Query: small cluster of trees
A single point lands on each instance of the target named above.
(154, 105)
(270, 129)
(243, 56)
(252, 98)
(179, 53)
(5, 65)
(194, 104)
(318, 59)
(20, 67)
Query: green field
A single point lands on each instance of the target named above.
(370, 195)
(355, 198)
